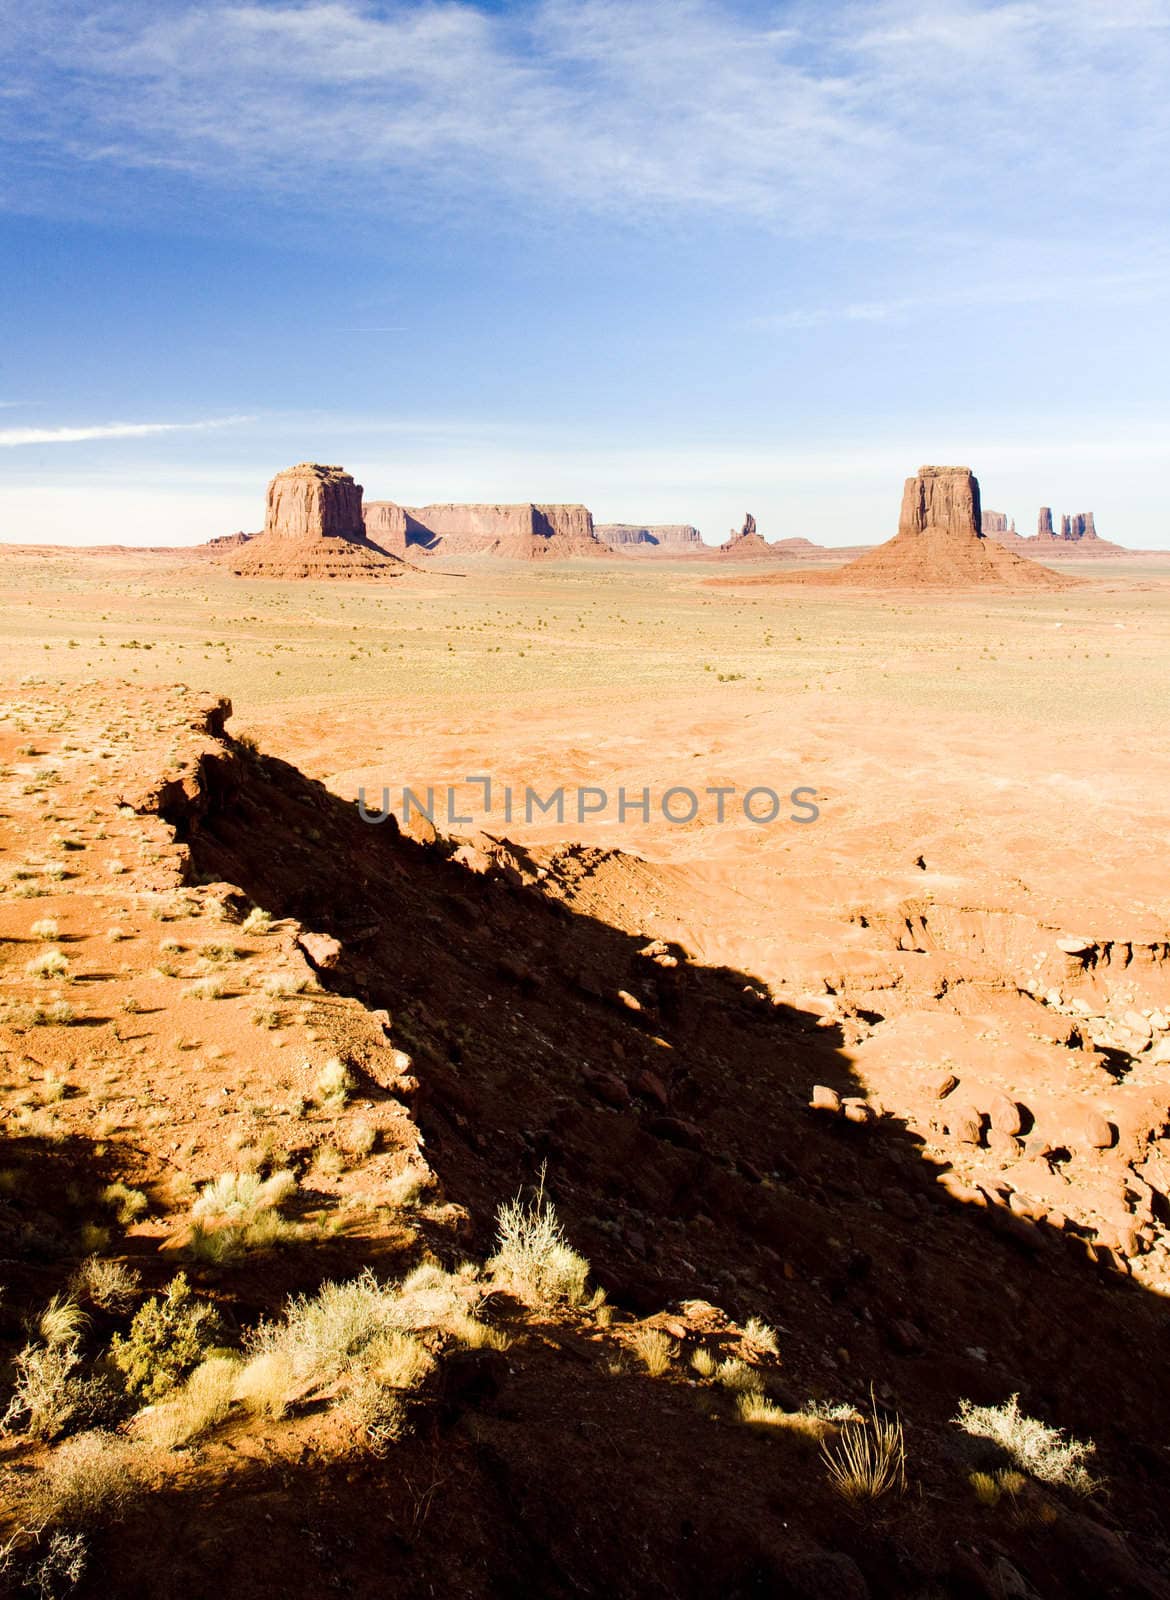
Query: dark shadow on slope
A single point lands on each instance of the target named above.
(685, 1163)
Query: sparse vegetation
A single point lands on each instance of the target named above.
(1035, 1448)
(126, 1203)
(45, 929)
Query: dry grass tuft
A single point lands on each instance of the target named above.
(62, 1321)
(737, 1376)
(50, 964)
(335, 1084)
(868, 1458)
(655, 1349)
(200, 1404)
(762, 1337)
(703, 1364)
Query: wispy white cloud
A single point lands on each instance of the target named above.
(1148, 283)
(10, 437)
(899, 113)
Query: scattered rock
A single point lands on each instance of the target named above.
(825, 1099)
(323, 951)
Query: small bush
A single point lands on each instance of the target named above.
(45, 929)
(52, 1013)
(328, 1161)
(207, 989)
(405, 1188)
(51, 1396)
(281, 986)
(257, 921)
(168, 1338)
(533, 1259)
(737, 1376)
(61, 1568)
(242, 1209)
(1043, 1452)
(219, 955)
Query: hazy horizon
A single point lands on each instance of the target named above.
(676, 261)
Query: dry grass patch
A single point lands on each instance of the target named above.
(201, 1403)
(1041, 1451)
(86, 1481)
(106, 1284)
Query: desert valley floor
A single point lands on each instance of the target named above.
(896, 1082)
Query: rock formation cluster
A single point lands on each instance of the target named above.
(997, 522)
(940, 542)
(1077, 537)
(748, 543)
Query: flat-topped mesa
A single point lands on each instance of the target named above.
(523, 532)
(996, 522)
(311, 501)
(945, 498)
(385, 525)
(661, 536)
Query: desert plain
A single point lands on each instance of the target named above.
(865, 1117)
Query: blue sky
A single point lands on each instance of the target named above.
(675, 258)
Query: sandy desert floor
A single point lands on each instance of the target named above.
(1016, 745)
(796, 1069)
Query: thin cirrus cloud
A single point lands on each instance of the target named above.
(11, 437)
(803, 116)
